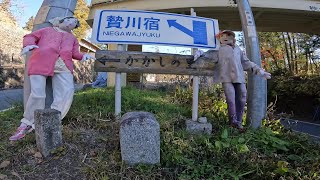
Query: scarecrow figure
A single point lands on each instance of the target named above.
(53, 49)
(231, 64)
(101, 80)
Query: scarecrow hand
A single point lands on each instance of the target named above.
(87, 57)
(27, 49)
(265, 74)
(197, 54)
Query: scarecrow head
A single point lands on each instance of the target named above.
(226, 37)
(65, 23)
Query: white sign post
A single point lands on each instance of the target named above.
(146, 27)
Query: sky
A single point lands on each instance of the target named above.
(24, 9)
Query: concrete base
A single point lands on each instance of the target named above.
(195, 127)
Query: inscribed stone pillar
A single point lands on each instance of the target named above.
(48, 130)
(140, 138)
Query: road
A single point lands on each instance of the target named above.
(303, 127)
(10, 97)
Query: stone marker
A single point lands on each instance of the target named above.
(199, 127)
(140, 138)
(48, 130)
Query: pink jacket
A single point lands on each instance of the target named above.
(52, 44)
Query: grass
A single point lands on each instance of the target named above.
(91, 143)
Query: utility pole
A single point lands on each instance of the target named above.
(48, 10)
(257, 86)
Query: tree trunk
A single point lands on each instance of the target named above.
(287, 52)
(284, 61)
(311, 66)
(315, 64)
(295, 52)
(307, 61)
(291, 52)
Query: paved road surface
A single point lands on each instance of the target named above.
(304, 127)
(9, 97)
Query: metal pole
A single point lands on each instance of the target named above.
(195, 100)
(256, 85)
(195, 86)
(120, 47)
(118, 95)
(69, 4)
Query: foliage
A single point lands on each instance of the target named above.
(91, 133)
(5, 6)
(295, 52)
(298, 94)
(81, 12)
(295, 85)
(29, 24)
(271, 50)
(10, 11)
(309, 42)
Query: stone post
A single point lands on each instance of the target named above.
(48, 130)
(140, 138)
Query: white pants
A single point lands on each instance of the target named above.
(63, 90)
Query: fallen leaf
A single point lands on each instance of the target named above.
(15, 174)
(12, 143)
(38, 155)
(33, 151)
(4, 164)
(39, 161)
(3, 177)
(93, 153)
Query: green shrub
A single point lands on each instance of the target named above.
(295, 94)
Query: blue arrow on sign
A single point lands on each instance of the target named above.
(199, 33)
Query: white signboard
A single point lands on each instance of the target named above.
(146, 27)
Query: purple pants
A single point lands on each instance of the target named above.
(236, 97)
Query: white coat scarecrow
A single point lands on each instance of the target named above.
(230, 67)
(53, 49)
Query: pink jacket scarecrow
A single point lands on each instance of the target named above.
(53, 49)
(52, 44)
